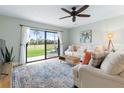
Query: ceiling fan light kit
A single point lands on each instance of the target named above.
(75, 13)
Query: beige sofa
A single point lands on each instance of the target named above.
(110, 74)
(86, 76)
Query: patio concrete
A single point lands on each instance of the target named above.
(41, 57)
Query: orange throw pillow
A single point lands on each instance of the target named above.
(86, 58)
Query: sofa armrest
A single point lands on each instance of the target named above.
(93, 77)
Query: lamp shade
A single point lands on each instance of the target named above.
(110, 36)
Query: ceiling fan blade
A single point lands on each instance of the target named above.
(64, 17)
(82, 9)
(66, 10)
(83, 15)
(73, 19)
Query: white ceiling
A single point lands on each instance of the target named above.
(50, 14)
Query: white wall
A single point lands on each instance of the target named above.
(10, 31)
(100, 29)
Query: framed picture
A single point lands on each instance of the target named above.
(86, 36)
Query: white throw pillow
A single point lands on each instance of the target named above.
(69, 48)
(113, 63)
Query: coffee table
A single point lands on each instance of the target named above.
(70, 59)
(62, 58)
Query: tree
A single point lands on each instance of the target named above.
(36, 34)
(32, 41)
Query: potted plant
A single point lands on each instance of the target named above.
(7, 59)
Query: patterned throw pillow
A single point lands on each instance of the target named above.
(97, 59)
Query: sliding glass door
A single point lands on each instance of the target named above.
(42, 45)
(51, 44)
(36, 46)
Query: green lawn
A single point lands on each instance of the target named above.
(38, 50)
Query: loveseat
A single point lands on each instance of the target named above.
(73, 50)
(77, 50)
(109, 75)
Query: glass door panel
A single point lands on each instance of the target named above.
(51, 44)
(36, 46)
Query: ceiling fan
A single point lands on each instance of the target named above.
(75, 13)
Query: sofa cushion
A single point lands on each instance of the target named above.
(87, 57)
(100, 48)
(97, 58)
(76, 70)
(113, 63)
(75, 47)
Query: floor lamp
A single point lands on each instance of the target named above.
(110, 44)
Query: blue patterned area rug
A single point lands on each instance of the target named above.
(46, 74)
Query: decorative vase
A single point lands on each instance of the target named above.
(5, 68)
